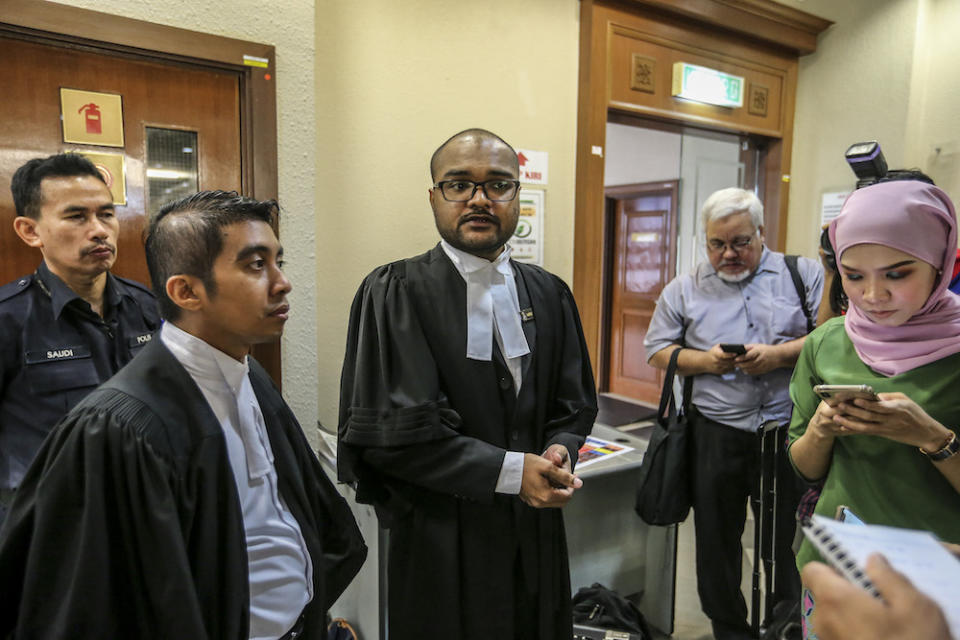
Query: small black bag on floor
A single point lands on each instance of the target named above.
(664, 496)
(598, 606)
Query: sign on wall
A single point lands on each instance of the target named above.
(830, 206)
(533, 166)
(110, 166)
(527, 240)
(90, 117)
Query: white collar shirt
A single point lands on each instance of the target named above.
(493, 308)
(280, 569)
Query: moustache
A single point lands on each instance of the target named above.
(479, 216)
(100, 245)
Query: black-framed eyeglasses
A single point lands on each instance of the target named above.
(738, 244)
(496, 190)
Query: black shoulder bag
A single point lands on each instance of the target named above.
(664, 495)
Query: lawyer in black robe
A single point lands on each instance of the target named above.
(128, 524)
(423, 431)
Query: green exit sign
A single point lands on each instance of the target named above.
(702, 84)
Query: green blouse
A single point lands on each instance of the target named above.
(882, 481)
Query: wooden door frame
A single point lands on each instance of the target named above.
(72, 27)
(761, 24)
(611, 195)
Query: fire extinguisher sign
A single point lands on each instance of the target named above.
(91, 117)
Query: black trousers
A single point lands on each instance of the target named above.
(726, 463)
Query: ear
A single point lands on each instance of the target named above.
(760, 231)
(26, 228)
(187, 292)
(430, 193)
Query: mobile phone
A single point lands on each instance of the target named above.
(738, 349)
(844, 514)
(845, 392)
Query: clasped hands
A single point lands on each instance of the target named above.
(547, 478)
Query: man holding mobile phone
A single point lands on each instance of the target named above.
(740, 322)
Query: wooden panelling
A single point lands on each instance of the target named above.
(72, 27)
(757, 39)
(770, 23)
(154, 94)
(625, 43)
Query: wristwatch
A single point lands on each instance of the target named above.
(950, 449)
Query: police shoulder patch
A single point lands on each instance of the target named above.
(16, 287)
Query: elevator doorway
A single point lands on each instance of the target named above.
(656, 178)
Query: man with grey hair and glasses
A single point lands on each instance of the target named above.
(739, 323)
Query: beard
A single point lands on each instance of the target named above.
(483, 244)
(734, 277)
(474, 244)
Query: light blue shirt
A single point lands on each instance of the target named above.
(700, 310)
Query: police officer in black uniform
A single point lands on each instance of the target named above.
(71, 324)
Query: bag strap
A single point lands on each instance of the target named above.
(666, 393)
(791, 261)
(668, 404)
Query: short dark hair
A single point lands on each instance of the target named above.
(480, 133)
(185, 238)
(27, 196)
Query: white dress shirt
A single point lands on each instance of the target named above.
(281, 573)
(493, 312)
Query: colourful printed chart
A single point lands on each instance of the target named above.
(597, 449)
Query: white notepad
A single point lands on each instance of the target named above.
(916, 554)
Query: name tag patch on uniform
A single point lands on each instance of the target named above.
(139, 341)
(58, 353)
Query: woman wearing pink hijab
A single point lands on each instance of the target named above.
(895, 461)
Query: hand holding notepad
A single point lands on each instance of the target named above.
(918, 555)
(844, 611)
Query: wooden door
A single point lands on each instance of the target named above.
(644, 223)
(200, 103)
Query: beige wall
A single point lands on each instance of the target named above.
(884, 71)
(366, 90)
(934, 134)
(292, 32)
(394, 80)
(855, 87)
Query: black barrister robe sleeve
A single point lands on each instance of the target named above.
(98, 548)
(573, 403)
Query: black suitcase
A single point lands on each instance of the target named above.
(774, 467)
